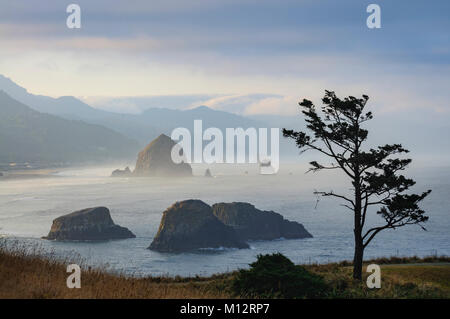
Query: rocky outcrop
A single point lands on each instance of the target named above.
(121, 172)
(87, 224)
(191, 225)
(253, 224)
(208, 173)
(155, 160)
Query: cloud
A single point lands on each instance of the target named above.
(286, 105)
(82, 43)
(137, 104)
(237, 103)
(253, 104)
(228, 50)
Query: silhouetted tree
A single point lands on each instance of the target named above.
(374, 174)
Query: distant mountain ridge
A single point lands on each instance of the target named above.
(142, 127)
(72, 108)
(62, 106)
(30, 136)
(168, 119)
(151, 123)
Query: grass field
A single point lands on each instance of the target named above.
(27, 275)
(419, 278)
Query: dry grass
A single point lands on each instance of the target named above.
(24, 273)
(401, 278)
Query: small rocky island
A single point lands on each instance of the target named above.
(89, 224)
(121, 172)
(155, 160)
(208, 173)
(191, 225)
(253, 224)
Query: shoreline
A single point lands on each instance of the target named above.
(36, 244)
(29, 275)
(29, 173)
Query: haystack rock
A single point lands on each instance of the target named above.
(121, 172)
(191, 225)
(155, 160)
(208, 173)
(87, 224)
(253, 224)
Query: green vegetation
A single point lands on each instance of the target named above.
(398, 281)
(29, 136)
(275, 276)
(26, 274)
(375, 173)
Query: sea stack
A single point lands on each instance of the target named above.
(208, 173)
(121, 172)
(191, 225)
(87, 224)
(251, 223)
(155, 160)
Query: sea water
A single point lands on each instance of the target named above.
(28, 207)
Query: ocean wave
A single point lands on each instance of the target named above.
(217, 248)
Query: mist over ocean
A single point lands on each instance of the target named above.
(28, 207)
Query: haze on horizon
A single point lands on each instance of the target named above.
(247, 57)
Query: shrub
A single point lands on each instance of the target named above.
(275, 276)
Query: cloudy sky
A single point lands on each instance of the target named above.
(245, 56)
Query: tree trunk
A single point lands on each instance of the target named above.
(359, 246)
(358, 257)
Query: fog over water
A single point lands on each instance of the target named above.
(28, 207)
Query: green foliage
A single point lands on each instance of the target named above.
(375, 173)
(275, 276)
(29, 136)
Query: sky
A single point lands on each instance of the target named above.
(245, 56)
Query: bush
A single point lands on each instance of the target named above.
(275, 276)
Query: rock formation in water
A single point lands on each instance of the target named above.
(121, 172)
(1, 174)
(208, 173)
(191, 225)
(155, 160)
(87, 224)
(253, 224)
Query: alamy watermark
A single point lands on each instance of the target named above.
(74, 19)
(235, 150)
(374, 19)
(74, 279)
(374, 279)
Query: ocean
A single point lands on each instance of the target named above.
(28, 207)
